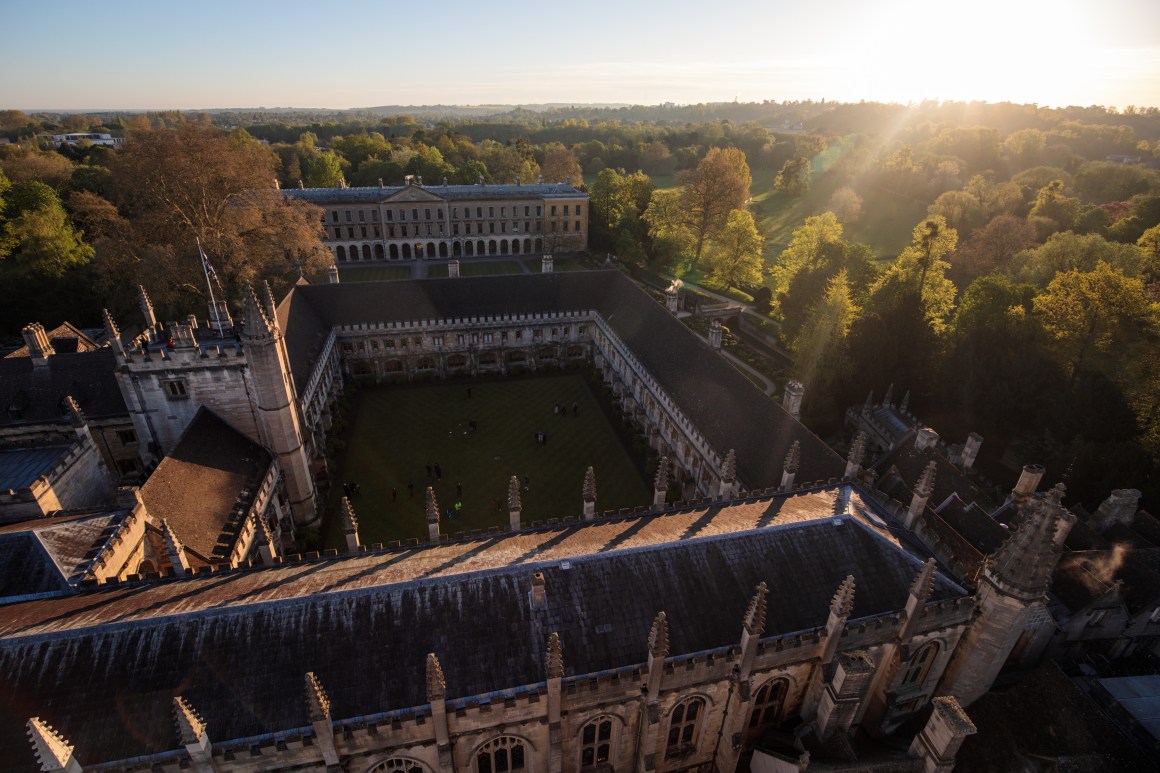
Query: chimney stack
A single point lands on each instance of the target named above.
(39, 348)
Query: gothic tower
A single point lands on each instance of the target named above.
(1014, 579)
(277, 413)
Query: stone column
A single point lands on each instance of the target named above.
(453, 269)
(194, 736)
(350, 526)
(432, 517)
(856, 456)
(843, 695)
(437, 697)
(546, 264)
(554, 663)
(318, 709)
(715, 334)
(791, 465)
(727, 477)
(514, 506)
(1028, 482)
(52, 751)
(660, 485)
(922, 491)
(970, 450)
(589, 494)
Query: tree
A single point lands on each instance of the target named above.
(719, 185)
(992, 247)
(794, 177)
(918, 276)
(735, 255)
(667, 226)
(961, 210)
(1052, 203)
(1084, 312)
(1067, 250)
(192, 182)
(1149, 245)
(43, 259)
(560, 165)
(821, 346)
(846, 204)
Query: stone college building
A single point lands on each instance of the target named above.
(793, 612)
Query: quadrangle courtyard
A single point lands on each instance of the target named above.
(395, 432)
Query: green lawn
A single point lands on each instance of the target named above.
(468, 268)
(886, 223)
(396, 431)
(372, 273)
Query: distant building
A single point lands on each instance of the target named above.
(73, 139)
(417, 222)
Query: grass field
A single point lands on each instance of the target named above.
(469, 268)
(373, 273)
(396, 431)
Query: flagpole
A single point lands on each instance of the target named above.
(209, 286)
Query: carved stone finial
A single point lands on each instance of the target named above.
(190, 725)
(755, 614)
(52, 751)
(432, 506)
(268, 300)
(146, 307)
(858, 449)
(555, 657)
(661, 479)
(793, 459)
(1055, 496)
(843, 602)
(888, 400)
(925, 485)
(75, 415)
(923, 584)
(590, 485)
(905, 404)
(436, 684)
(658, 637)
(729, 467)
(111, 330)
(349, 521)
(869, 405)
(514, 494)
(317, 703)
(256, 325)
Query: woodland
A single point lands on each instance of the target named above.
(999, 262)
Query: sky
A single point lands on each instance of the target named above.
(161, 54)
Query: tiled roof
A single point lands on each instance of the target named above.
(236, 645)
(194, 488)
(29, 394)
(66, 338)
(375, 194)
(720, 401)
(65, 547)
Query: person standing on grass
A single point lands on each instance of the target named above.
(428, 470)
(411, 489)
(458, 490)
(438, 472)
(575, 409)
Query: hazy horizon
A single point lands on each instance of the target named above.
(139, 55)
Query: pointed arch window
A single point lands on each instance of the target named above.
(505, 754)
(397, 765)
(919, 665)
(684, 727)
(767, 705)
(596, 743)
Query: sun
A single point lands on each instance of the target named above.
(993, 50)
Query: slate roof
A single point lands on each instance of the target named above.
(26, 568)
(720, 401)
(32, 395)
(374, 194)
(66, 338)
(236, 645)
(194, 488)
(52, 554)
(20, 467)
